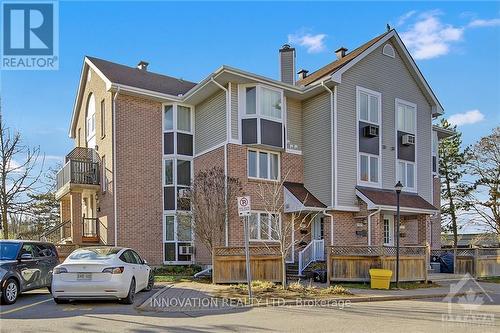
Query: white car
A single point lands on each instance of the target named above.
(101, 273)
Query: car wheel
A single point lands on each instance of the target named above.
(151, 282)
(131, 294)
(10, 292)
(61, 301)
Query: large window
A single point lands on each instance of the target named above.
(183, 118)
(176, 182)
(90, 117)
(406, 174)
(262, 101)
(177, 236)
(103, 118)
(368, 168)
(369, 106)
(406, 113)
(263, 164)
(264, 226)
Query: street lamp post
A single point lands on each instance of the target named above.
(398, 188)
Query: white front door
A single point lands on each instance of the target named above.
(317, 227)
(389, 230)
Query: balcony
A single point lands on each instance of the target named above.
(81, 171)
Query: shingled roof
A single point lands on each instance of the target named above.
(303, 195)
(138, 78)
(339, 63)
(384, 197)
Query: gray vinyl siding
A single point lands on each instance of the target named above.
(210, 122)
(294, 124)
(234, 111)
(391, 78)
(317, 152)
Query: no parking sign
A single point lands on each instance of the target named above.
(244, 206)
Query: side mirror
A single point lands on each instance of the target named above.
(26, 256)
(144, 262)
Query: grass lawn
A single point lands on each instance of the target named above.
(492, 279)
(402, 285)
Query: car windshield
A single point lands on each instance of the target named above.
(101, 253)
(8, 251)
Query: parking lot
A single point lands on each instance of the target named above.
(36, 312)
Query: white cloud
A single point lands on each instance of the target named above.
(14, 167)
(429, 38)
(465, 118)
(313, 43)
(480, 23)
(403, 18)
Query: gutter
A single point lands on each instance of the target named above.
(228, 112)
(115, 206)
(331, 225)
(370, 225)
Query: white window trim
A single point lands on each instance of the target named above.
(358, 109)
(396, 144)
(174, 118)
(391, 231)
(174, 175)
(379, 124)
(258, 212)
(258, 151)
(90, 117)
(398, 176)
(175, 241)
(369, 183)
(242, 109)
(389, 46)
(413, 105)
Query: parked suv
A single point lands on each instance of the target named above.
(25, 265)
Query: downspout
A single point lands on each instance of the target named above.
(333, 139)
(331, 225)
(370, 226)
(228, 111)
(115, 206)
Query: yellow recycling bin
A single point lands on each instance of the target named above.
(380, 278)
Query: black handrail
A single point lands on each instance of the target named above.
(47, 233)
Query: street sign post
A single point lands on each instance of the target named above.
(244, 211)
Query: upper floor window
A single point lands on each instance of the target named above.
(263, 101)
(368, 169)
(90, 121)
(406, 116)
(369, 104)
(179, 115)
(103, 118)
(406, 174)
(263, 165)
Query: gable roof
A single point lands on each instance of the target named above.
(305, 197)
(135, 77)
(339, 63)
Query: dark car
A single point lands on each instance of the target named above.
(25, 265)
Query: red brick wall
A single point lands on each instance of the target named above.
(435, 234)
(139, 176)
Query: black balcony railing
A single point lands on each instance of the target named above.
(90, 227)
(82, 167)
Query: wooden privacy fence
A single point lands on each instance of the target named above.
(353, 263)
(229, 264)
(479, 262)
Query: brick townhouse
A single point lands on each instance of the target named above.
(343, 135)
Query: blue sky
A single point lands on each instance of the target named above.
(456, 45)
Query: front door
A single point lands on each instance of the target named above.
(389, 230)
(317, 228)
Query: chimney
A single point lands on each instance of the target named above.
(302, 74)
(341, 52)
(287, 64)
(143, 65)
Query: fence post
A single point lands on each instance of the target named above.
(328, 265)
(427, 261)
(475, 263)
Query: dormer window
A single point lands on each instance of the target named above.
(261, 110)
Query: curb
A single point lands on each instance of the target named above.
(156, 294)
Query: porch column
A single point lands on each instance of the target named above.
(76, 217)
(377, 230)
(423, 226)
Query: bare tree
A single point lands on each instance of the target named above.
(272, 196)
(20, 169)
(483, 164)
(210, 192)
